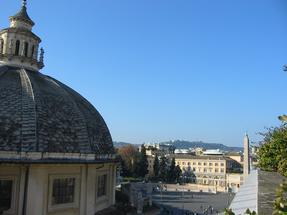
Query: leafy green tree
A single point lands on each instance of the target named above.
(125, 171)
(177, 173)
(142, 164)
(128, 156)
(280, 204)
(188, 175)
(273, 152)
(249, 212)
(228, 211)
(171, 172)
(136, 166)
(163, 168)
(282, 167)
(156, 166)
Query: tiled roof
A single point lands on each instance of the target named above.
(40, 114)
(268, 182)
(258, 193)
(247, 196)
(200, 157)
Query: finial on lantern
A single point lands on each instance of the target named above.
(24, 3)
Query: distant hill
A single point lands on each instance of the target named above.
(121, 144)
(182, 144)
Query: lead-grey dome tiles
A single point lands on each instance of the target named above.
(40, 114)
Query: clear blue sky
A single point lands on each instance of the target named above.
(163, 69)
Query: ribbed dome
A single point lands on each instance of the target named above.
(40, 114)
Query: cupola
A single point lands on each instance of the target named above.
(19, 45)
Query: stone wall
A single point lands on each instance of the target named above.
(39, 188)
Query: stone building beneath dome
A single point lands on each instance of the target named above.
(56, 152)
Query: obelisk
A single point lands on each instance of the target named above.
(246, 161)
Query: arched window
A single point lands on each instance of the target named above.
(26, 46)
(32, 51)
(17, 48)
(1, 46)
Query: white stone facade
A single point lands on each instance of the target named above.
(32, 188)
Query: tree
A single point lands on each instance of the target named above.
(171, 171)
(156, 166)
(124, 170)
(282, 167)
(249, 212)
(129, 156)
(177, 173)
(163, 168)
(272, 154)
(228, 211)
(142, 163)
(136, 166)
(188, 175)
(280, 204)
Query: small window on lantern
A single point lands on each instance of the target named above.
(1, 46)
(32, 51)
(26, 46)
(17, 48)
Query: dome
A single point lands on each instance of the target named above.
(41, 114)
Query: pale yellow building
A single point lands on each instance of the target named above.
(235, 156)
(208, 170)
(56, 152)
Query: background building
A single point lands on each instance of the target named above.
(235, 156)
(210, 170)
(158, 148)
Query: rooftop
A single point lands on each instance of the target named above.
(23, 15)
(257, 193)
(39, 115)
(200, 157)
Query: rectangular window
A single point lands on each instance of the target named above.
(199, 164)
(216, 164)
(222, 170)
(210, 164)
(6, 194)
(63, 191)
(102, 185)
(221, 164)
